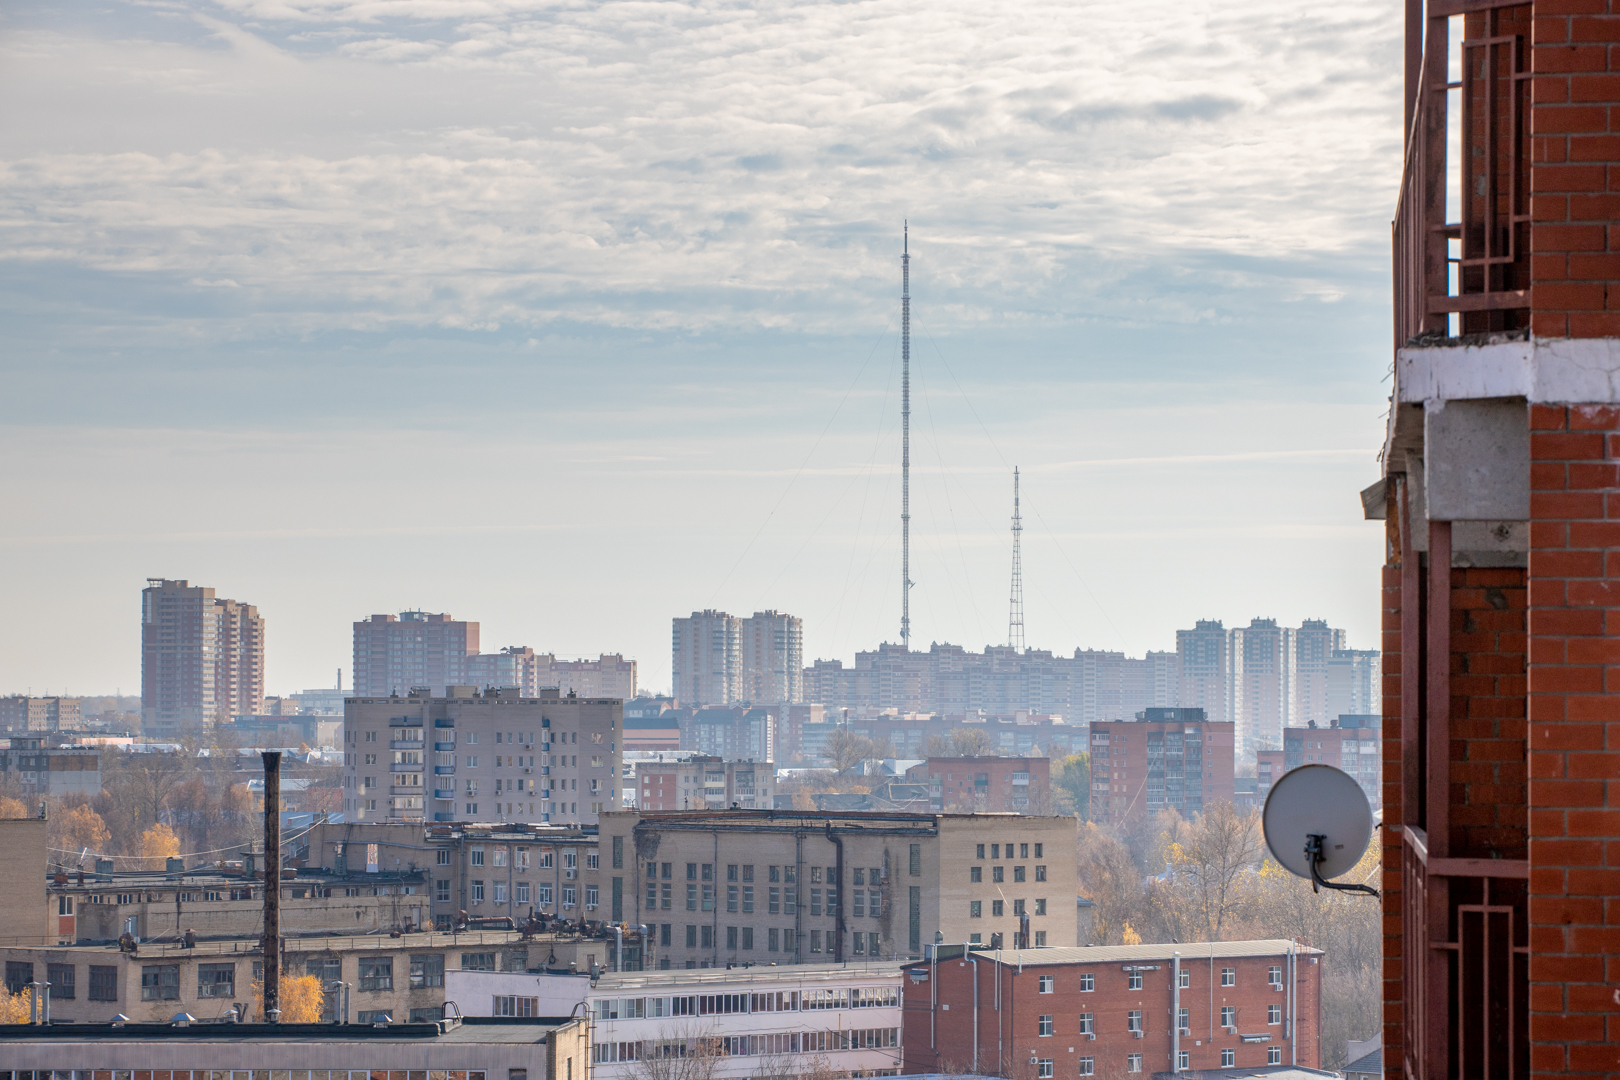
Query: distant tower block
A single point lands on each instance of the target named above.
(1015, 605)
(905, 440)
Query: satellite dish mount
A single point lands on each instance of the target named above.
(1313, 855)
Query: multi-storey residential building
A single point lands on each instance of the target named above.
(707, 658)
(610, 675)
(491, 756)
(1170, 759)
(395, 654)
(1262, 659)
(757, 1021)
(772, 663)
(652, 724)
(1247, 1008)
(31, 768)
(735, 887)
(732, 732)
(1350, 743)
(20, 713)
(202, 658)
(1355, 683)
(1204, 668)
(1023, 736)
(692, 781)
(1314, 645)
(978, 784)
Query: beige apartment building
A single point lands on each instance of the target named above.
(688, 781)
(490, 756)
(610, 675)
(21, 713)
(791, 887)
(202, 658)
(395, 654)
(720, 659)
(772, 663)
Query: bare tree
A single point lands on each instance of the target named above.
(681, 1052)
(972, 742)
(1110, 879)
(1212, 867)
(846, 750)
(936, 746)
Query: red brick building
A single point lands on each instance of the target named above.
(1106, 1011)
(985, 783)
(1170, 759)
(1345, 744)
(1501, 507)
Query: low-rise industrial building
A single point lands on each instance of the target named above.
(32, 768)
(1107, 1011)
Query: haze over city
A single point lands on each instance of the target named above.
(315, 304)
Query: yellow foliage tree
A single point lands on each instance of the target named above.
(302, 999)
(13, 1007)
(157, 844)
(80, 828)
(12, 808)
(1129, 936)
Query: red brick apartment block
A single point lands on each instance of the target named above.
(1075, 1012)
(985, 783)
(1501, 585)
(1173, 758)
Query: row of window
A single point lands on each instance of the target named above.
(998, 908)
(520, 893)
(260, 1074)
(743, 939)
(783, 1042)
(1023, 851)
(1133, 1062)
(997, 873)
(1088, 980)
(643, 1008)
(1045, 1025)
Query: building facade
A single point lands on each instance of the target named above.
(1112, 1011)
(1350, 743)
(979, 784)
(747, 732)
(1171, 759)
(706, 652)
(394, 654)
(690, 781)
(791, 887)
(755, 1021)
(1204, 668)
(772, 662)
(21, 713)
(490, 756)
(202, 658)
(30, 768)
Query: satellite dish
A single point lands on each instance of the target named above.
(1317, 825)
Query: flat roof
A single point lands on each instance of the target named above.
(718, 977)
(467, 1030)
(1190, 951)
(247, 948)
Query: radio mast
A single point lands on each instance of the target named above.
(905, 440)
(1015, 613)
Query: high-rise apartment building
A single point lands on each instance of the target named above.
(1170, 759)
(1313, 646)
(396, 654)
(1354, 683)
(610, 675)
(1203, 673)
(202, 657)
(1262, 666)
(772, 669)
(491, 756)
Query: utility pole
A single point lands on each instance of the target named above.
(905, 440)
(270, 944)
(1015, 607)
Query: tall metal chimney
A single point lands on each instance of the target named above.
(270, 944)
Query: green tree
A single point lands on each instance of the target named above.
(1071, 783)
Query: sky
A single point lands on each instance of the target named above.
(572, 317)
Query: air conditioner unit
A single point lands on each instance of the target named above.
(527, 771)
(1092, 1036)
(1231, 1030)
(569, 874)
(1137, 1034)
(1032, 1059)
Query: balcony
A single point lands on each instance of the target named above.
(1462, 222)
(444, 793)
(404, 721)
(445, 722)
(406, 767)
(444, 770)
(444, 746)
(444, 817)
(406, 744)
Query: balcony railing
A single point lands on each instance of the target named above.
(1461, 232)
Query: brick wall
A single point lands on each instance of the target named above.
(1392, 747)
(1573, 729)
(1487, 812)
(1575, 187)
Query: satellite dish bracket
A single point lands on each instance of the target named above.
(1314, 855)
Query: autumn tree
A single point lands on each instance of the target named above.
(936, 746)
(972, 742)
(13, 1007)
(159, 844)
(12, 808)
(1071, 784)
(77, 829)
(303, 998)
(846, 750)
(1109, 878)
(1211, 877)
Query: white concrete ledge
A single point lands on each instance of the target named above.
(1541, 370)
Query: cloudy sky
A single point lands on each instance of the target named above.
(570, 317)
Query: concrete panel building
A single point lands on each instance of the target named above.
(22, 713)
(1171, 759)
(202, 658)
(735, 732)
(490, 756)
(395, 654)
(772, 662)
(1350, 743)
(1355, 683)
(707, 658)
(692, 781)
(31, 768)
(1314, 645)
(1246, 1008)
(791, 887)
(1203, 668)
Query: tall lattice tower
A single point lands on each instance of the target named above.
(1015, 607)
(905, 439)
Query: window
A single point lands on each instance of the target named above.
(916, 860)
(691, 871)
(1038, 850)
(1135, 981)
(998, 873)
(980, 853)
(427, 969)
(216, 980)
(159, 982)
(1274, 977)
(1043, 1067)
(1087, 1068)
(521, 893)
(478, 892)
(592, 896)
(1229, 1016)
(61, 977)
(1133, 1063)
(477, 961)
(708, 937)
(103, 983)
(500, 892)
(500, 856)
(1185, 1061)
(976, 874)
(1228, 976)
(1086, 1027)
(1183, 1021)
(731, 896)
(1274, 1055)
(374, 1016)
(514, 1005)
(1133, 1020)
(1040, 907)
(975, 909)
(997, 908)
(1273, 1013)
(1046, 982)
(618, 853)
(441, 890)
(1018, 873)
(1040, 939)
(1186, 979)
(691, 936)
(1018, 907)
(427, 1016)
(1044, 1026)
(748, 898)
(1088, 983)
(1228, 1058)
(377, 973)
(477, 857)
(1040, 871)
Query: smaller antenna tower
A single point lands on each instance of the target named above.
(1015, 612)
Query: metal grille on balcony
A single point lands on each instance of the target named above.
(1462, 250)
